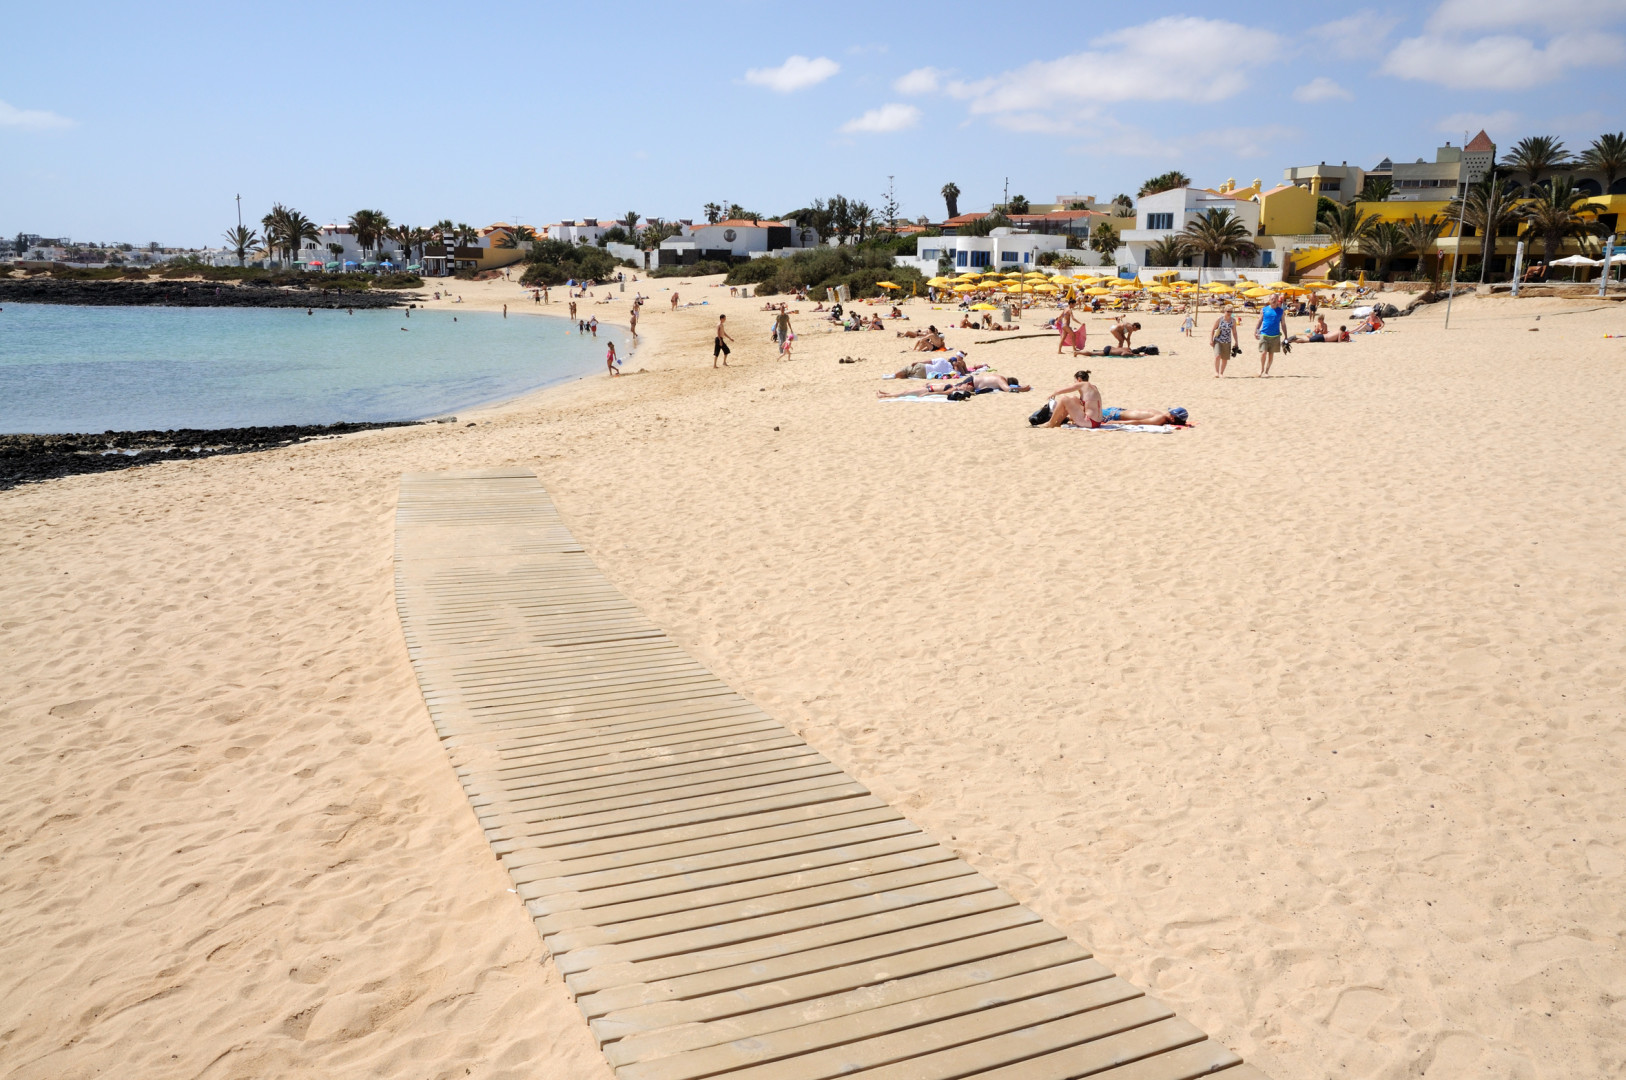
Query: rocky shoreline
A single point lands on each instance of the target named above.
(29, 459)
(190, 294)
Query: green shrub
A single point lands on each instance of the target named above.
(88, 273)
(860, 269)
(398, 280)
(577, 261)
(704, 268)
(542, 274)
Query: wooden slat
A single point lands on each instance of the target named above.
(720, 897)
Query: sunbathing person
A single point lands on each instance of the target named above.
(896, 314)
(1320, 334)
(1078, 404)
(978, 382)
(875, 322)
(1153, 417)
(937, 368)
(917, 333)
(931, 341)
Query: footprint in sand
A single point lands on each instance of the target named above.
(1604, 860)
(1358, 1008)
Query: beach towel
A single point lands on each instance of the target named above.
(1155, 429)
(933, 398)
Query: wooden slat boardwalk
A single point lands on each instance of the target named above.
(720, 897)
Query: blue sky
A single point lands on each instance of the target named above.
(141, 122)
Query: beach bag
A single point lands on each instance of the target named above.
(959, 395)
(1042, 414)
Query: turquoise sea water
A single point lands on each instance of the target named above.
(92, 369)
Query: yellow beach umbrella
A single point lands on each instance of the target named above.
(965, 288)
(1256, 293)
(1160, 289)
(1044, 288)
(982, 307)
(887, 285)
(1096, 290)
(938, 281)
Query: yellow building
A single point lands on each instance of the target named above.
(1287, 210)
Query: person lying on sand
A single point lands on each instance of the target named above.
(978, 382)
(1319, 334)
(937, 368)
(1153, 417)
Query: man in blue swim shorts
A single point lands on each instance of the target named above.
(1269, 332)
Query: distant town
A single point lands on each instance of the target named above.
(1460, 204)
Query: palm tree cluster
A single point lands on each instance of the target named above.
(1168, 181)
(369, 227)
(287, 230)
(1544, 156)
(841, 217)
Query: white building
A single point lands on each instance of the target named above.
(585, 231)
(1001, 249)
(1167, 214)
(735, 238)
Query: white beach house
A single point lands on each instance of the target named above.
(1167, 213)
(1001, 249)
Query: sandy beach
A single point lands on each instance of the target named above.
(1308, 719)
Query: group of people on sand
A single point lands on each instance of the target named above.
(1079, 404)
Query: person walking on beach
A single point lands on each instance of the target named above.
(611, 362)
(719, 345)
(674, 300)
(592, 325)
(1269, 332)
(633, 320)
(781, 332)
(1064, 323)
(1220, 338)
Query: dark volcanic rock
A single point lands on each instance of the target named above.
(187, 294)
(31, 458)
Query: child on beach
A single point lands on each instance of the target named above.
(611, 361)
(1190, 323)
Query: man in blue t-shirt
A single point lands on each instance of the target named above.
(1269, 332)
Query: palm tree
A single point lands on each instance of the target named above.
(338, 253)
(1105, 241)
(1165, 252)
(1488, 207)
(369, 227)
(1345, 226)
(241, 239)
(1387, 242)
(403, 236)
(629, 221)
(1377, 189)
(1216, 235)
(1558, 211)
(299, 229)
(1168, 181)
(1420, 236)
(466, 234)
(1535, 155)
(951, 198)
(713, 213)
(863, 219)
(1606, 155)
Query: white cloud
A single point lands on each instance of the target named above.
(1501, 120)
(1501, 14)
(887, 118)
(796, 73)
(1501, 61)
(924, 80)
(31, 119)
(1362, 33)
(1206, 58)
(1321, 88)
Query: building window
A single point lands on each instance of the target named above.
(1008, 256)
(959, 258)
(929, 253)
(981, 258)
(1330, 185)
(1160, 221)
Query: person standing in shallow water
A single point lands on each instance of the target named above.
(719, 345)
